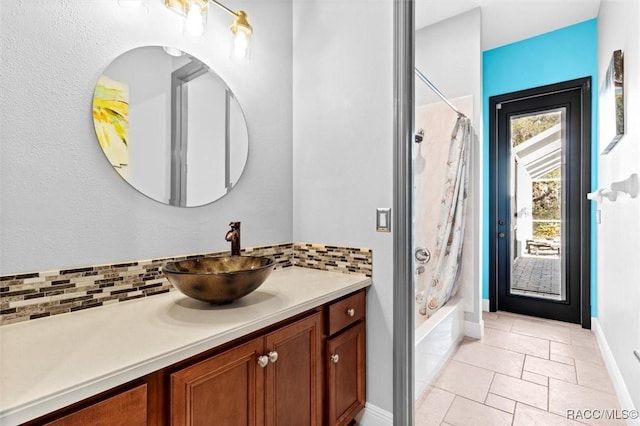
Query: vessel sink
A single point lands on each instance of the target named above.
(218, 280)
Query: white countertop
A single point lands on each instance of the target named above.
(49, 363)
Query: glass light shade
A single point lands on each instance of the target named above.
(241, 30)
(195, 20)
(241, 48)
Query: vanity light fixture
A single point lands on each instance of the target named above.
(195, 21)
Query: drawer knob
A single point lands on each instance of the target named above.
(335, 358)
(351, 312)
(263, 360)
(273, 356)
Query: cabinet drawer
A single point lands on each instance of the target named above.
(128, 408)
(346, 312)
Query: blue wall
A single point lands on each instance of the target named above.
(561, 55)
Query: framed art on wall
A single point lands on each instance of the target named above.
(612, 103)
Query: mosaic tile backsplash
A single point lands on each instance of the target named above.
(35, 295)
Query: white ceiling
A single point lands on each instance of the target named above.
(507, 21)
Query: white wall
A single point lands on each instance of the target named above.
(206, 153)
(618, 235)
(343, 156)
(449, 54)
(61, 202)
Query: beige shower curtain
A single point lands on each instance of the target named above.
(445, 262)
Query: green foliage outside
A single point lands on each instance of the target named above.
(524, 128)
(546, 231)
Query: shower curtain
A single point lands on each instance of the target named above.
(445, 262)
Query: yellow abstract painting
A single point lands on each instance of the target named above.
(111, 120)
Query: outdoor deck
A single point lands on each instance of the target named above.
(537, 275)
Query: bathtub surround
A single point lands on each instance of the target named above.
(36, 295)
(436, 339)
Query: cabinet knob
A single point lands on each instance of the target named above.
(273, 356)
(335, 358)
(351, 312)
(263, 360)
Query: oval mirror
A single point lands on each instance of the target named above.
(170, 126)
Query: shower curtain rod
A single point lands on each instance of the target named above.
(426, 81)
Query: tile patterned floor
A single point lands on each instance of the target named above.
(538, 274)
(524, 371)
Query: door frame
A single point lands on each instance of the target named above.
(403, 134)
(584, 86)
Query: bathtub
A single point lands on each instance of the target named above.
(436, 339)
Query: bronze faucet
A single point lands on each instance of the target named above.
(233, 235)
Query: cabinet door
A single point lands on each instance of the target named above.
(346, 374)
(128, 408)
(292, 386)
(223, 390)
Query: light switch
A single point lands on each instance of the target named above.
(383, 219)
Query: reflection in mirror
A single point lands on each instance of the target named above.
(170, 126)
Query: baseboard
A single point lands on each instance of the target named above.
(473, 329)
(372, 415)
(485, 305)
(616, 376)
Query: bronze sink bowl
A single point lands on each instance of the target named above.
(218, 280)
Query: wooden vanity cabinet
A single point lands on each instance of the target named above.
(304, 371)
(345, 359)
(270, 380)
(113, 408)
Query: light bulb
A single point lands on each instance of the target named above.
(240, 45)
(194, 22)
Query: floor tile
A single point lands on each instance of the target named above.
(516, 342)
(555, 333)
(501, 403)
(525, 371)
(464, 412)
(577, 352)
(561, 358)
(530, 416)
(489, 315)
(499, 322)
(545, 367)
(535, 378)
(566, 398)
(432, 407)
(587, 340)
(465, 380)
(520, 390)
(594, 376)
(491, 358)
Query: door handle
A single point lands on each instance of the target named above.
(423, 255)
(501, 235)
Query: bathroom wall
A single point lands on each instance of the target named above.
(449, 54)
(553, 57)
(343, 150)
(619, 231)
(62, 204)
